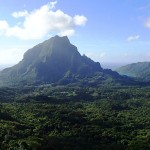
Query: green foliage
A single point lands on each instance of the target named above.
(75, 118)
(139, 70)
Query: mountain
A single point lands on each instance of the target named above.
(56, 61)
(140, 70)
(49, 62)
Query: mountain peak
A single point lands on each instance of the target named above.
(60, 38)
(57, 36)
(51, 61)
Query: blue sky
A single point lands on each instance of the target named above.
(113, 32)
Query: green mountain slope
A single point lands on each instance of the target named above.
(49, 62)
(57, 61)
(139, 70)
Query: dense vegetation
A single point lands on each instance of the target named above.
(140, 70)
(77, 118)
(60, 100)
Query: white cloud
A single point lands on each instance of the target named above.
(7, 55)
(80, 20)
(147, 23)
(20, 14)
(103, 54)
(67, 32)
(41, 22)
(52, 4)
(133, 38)
(96, 56)
(3, 25)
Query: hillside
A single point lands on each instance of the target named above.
(140, 70)
(57, 61)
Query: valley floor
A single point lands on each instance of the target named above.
(64, 118)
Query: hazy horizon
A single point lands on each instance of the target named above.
(105, 65)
